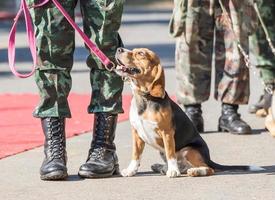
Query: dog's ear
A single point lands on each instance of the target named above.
(158, 86)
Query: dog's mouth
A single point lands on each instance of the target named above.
(124, 70)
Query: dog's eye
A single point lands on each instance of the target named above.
(141, 53)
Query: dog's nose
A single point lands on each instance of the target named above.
(120, 50)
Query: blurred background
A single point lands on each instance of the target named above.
(12, 5)
(9, 7)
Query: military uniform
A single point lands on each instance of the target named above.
(202, 29)
(55, 47)
(195, 46)
(265, 57)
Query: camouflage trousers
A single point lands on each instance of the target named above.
(264, 56)
(206, 32)
(55, 46)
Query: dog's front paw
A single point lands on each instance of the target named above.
(128, 172)
(173, 173)
(132, 169)
(173, 170)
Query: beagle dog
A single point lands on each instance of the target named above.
(158, 121)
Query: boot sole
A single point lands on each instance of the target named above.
(89, 174)
(223, 129)
(56, 175)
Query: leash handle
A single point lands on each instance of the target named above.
(109, 65)
(31, 41)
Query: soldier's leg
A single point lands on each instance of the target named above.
(101, 22)
(267, 76)
(266, 62)
(194, 50)
(232, 75)
(55, 45)
(264, 55)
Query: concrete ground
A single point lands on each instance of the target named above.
(141, 28)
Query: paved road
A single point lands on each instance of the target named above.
(141, 28)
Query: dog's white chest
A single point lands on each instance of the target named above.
(146, 129)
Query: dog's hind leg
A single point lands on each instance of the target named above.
(195, 163)
(200, 171)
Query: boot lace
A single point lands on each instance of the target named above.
(56, 144)
(101, 141)
(97, 153)
(103, 127)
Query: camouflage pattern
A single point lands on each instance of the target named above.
(264, 55)
(55, 46)
(195, 47)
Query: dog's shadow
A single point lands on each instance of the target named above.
(147, 173)
(269, 170)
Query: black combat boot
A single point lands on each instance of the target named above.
(230, 120)
(263, 102)
(54, 164)
(160, 168)
(194, 113)
(102, 160)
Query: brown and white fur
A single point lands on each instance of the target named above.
(158, 121)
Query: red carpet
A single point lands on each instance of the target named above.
(19, 131)
(6, 15)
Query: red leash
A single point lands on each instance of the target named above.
(109, 65)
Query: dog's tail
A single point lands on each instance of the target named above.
(218, 167)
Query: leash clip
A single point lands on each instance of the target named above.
(110, 66)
